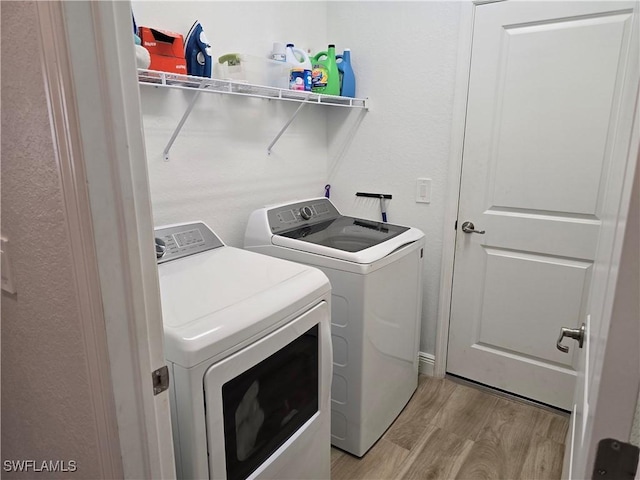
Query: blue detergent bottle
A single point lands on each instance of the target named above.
(347, 77)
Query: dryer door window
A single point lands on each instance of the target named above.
(267, 404)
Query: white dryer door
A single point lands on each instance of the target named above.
(267, 406)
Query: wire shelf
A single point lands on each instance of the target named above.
(199, 85)
(187, 82)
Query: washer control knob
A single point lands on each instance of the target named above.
(161, 248)
(306, 212)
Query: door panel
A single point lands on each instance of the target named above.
(526, 296)
(555, 235)
(544, 91)
(546, 157)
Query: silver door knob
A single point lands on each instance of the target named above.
(468, 227)
(161, 247)
(575, 333)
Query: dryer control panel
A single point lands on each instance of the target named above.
(308, 212)
(178, 241)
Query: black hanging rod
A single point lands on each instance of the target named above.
(374, 195)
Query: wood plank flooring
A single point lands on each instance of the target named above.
(454, 431)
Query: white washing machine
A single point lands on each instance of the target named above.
(375, 271)
(247, 341)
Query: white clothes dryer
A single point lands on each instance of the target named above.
(375, 271)
(247, 341)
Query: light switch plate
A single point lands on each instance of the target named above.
(423, 190)
(5, 267)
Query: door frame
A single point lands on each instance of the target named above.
(465, 40)
(459, 121)
(65, 132)
(94, 103)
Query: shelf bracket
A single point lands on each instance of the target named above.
(283, 129)
(165, 152)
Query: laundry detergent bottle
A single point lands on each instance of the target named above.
(297, 57)
(325, 77)
(300, 68)
(347, 77)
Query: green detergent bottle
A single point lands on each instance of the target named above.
(325, 77)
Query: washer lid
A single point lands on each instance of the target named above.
(316, 226)
(365, 255)
(215, 302)
(346, 233)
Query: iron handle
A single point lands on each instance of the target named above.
(575, 333)
(468, 227)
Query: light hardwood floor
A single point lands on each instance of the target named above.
(453, 431)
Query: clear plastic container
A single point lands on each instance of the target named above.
(241, 67)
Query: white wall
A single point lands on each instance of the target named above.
(219, 170)
(48, 411)
(404, 55)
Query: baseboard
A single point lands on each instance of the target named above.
(426, 363)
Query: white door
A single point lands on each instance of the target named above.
(544, 104)
(608, 367)
(609, 364)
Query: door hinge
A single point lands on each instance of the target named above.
(160, 380)
(455, 226)
(616, 460)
